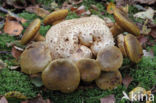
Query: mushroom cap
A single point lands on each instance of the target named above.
(133, 48)
(62, 75)
(123, 21)
(89, 69)
(35, 58)
(109, 80)
(138, 91)
(55, 16)
(31, 31)
(67, 37)
(121, 44)
(110, 58)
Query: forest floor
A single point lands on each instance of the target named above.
(23, 88)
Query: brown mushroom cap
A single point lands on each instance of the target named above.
(110, 58)
(31, 31)
(35, 58)
(109, 80)
(55, 16)
(123, 21)
(61, 74)
(121, 44)
(133, 48)
(89, 69)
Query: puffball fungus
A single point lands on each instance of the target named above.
(62, 75)
(35, 58)
(79, 38)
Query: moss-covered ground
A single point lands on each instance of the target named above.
(143, 73)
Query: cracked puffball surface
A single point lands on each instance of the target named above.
(79, 38)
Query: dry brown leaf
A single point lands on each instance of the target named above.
(12, 27)
(2, 64)
(75, 2)
(3, 100)
(38, 99)
(143, 40)
(16, 52)
(38, 11)
(149, 2)
(148, 53)
(108, 99)
(153, 32)
(127, 80)
(110, 8)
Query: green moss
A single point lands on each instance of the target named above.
(16, 81)
(72, 15)
(144, 73)
(90, 95)
(4, 39)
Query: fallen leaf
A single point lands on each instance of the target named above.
(3, 100)
(124, 2)
(145, 30)
(38, 99)
(143, 40)
(2, 64)
(13, 67)
(148, 53)
(110, 8)
(153, 32)
(94, 7)
(38, 11)
(75, 2)
(12, 27)
(16, 52)
(127, 80)
(66, 5)
(149, 2)
(148, 14)
(15, 94)
(138, 91)
(82, 11)
(108, 99)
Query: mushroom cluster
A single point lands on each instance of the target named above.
(80, 49)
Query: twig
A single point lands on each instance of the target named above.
(4, 52)
(8, 12)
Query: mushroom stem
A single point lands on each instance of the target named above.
(39, 37)
(116, 29)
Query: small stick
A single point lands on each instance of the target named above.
(8, 12)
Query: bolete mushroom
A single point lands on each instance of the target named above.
(133, 48)
(121, 44)
(130, 46)
(62, 75)
(55, 17)
(123, 23)
(31, 33)
(110, 58)
(89, 69)
(35, 58)
(109, 80)
(67, 38)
